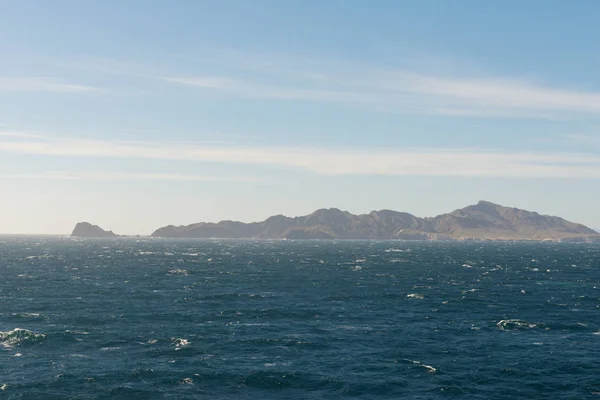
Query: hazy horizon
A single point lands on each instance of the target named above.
(137, 115)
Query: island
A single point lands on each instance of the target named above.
(482, 221)
(85, 229)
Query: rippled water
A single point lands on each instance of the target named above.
(176, 319)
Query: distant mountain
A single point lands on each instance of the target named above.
(490, 220)
(85, 229)
(483, 220)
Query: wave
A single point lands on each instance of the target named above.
(178, 271)
(513, 324)
(19, 336)
(429, 368)
(26, 315)
(180, 343)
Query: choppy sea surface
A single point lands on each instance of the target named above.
(184, 319)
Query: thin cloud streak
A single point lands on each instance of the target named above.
(581, 139)
(261, 91)
(207, 82)
(395, 90)
(43, 84)
(126, 176)
(405, 91)
(507, 94)
(332, 162)
(20, 135)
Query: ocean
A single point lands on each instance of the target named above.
(220, 319)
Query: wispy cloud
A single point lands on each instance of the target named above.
(43, 84)
(407, 91)
(331, 161)
(581, 138)
(17, 134)
(571, 140)
(209, 82)
(125, 176)
(506, 94)
(104, 65)
(256, 90)
(398, 90)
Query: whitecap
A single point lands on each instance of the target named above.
(178, 271)
(429, 368)
(509, 324)
(180, 343)
(414, 296)
(19, 336)
(26, 315)
(110, 348)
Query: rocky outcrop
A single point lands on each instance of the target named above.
(85, 229)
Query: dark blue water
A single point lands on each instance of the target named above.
(158, 319)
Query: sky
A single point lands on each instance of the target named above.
(142, 113)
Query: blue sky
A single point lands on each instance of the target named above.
(134, 115)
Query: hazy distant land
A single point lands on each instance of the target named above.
(482, 221)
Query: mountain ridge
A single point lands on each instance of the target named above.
(484, 220)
